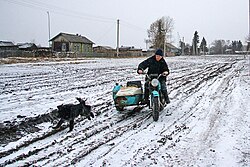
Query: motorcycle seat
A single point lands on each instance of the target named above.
(129, 91)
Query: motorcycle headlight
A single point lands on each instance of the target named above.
(154, 82)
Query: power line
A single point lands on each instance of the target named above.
(104, 34)
(40, 5)
(58, 10)
(132, 26)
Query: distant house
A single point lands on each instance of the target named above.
(229, 51)
(64, 42)
(103, 49)
(172, 50)
(130, 51)
(27, 46)
(7, 45)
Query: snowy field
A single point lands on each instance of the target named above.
(209, 124)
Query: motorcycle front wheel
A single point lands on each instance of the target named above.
(155, 108)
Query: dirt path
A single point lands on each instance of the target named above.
(200, 101)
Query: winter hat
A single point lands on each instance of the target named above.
(159, 52)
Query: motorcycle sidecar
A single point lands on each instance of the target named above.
(128, 95)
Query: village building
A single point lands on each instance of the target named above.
(27, 46)
(7, 45)
(103, 49)
(64, 42)
(172, 50)
(130, 51)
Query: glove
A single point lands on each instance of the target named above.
(140, 71)
(165, 73)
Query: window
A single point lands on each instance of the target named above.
(63, 47)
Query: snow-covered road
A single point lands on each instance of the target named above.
(209, 124)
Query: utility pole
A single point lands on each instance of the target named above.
(248, 39)
(117, 46)
(164, 41)
(164, 47)
(49, 25)
(182, 47)
(147, 41)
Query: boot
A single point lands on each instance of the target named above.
(145, 101)
(146, 96)
(165, 94)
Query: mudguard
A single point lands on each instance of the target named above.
(115, 90)
(155, 93)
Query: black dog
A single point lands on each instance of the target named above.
(70, 111)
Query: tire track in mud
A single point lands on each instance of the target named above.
(121, 130)
(34, 121)
(182, 127)
(9, 130)
(75, 83)
(62, 82)
(171, 137)
(118, 131)
(46, 135)
(176, 130)
(179, 128)
(192, 89)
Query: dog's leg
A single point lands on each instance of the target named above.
(58, 124)
(71, 125)
(89, 115)
(92, 115)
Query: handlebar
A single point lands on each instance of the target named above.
(150, 76)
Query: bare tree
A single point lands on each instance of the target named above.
(160, 31)
(248, 42)
(218, 47)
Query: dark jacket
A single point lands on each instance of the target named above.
(154, 67)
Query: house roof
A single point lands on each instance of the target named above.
(74, 38)
(171, 46)
(105, 47)
(25, 45)
(6, 43)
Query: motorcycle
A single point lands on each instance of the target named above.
(156, 98)
(132, 94)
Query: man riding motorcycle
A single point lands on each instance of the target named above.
(156, 65)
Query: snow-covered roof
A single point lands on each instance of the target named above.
(6, 43)
(74, 38)
(25, 45)
(105, 47)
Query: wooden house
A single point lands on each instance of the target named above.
(104, 49)
(130, 51)
(172, 50)
(64, 42)
(27, 46)
(7, 45)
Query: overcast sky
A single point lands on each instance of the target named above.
(27, 20)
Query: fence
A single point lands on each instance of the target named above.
(21, 53)
(46, 53)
